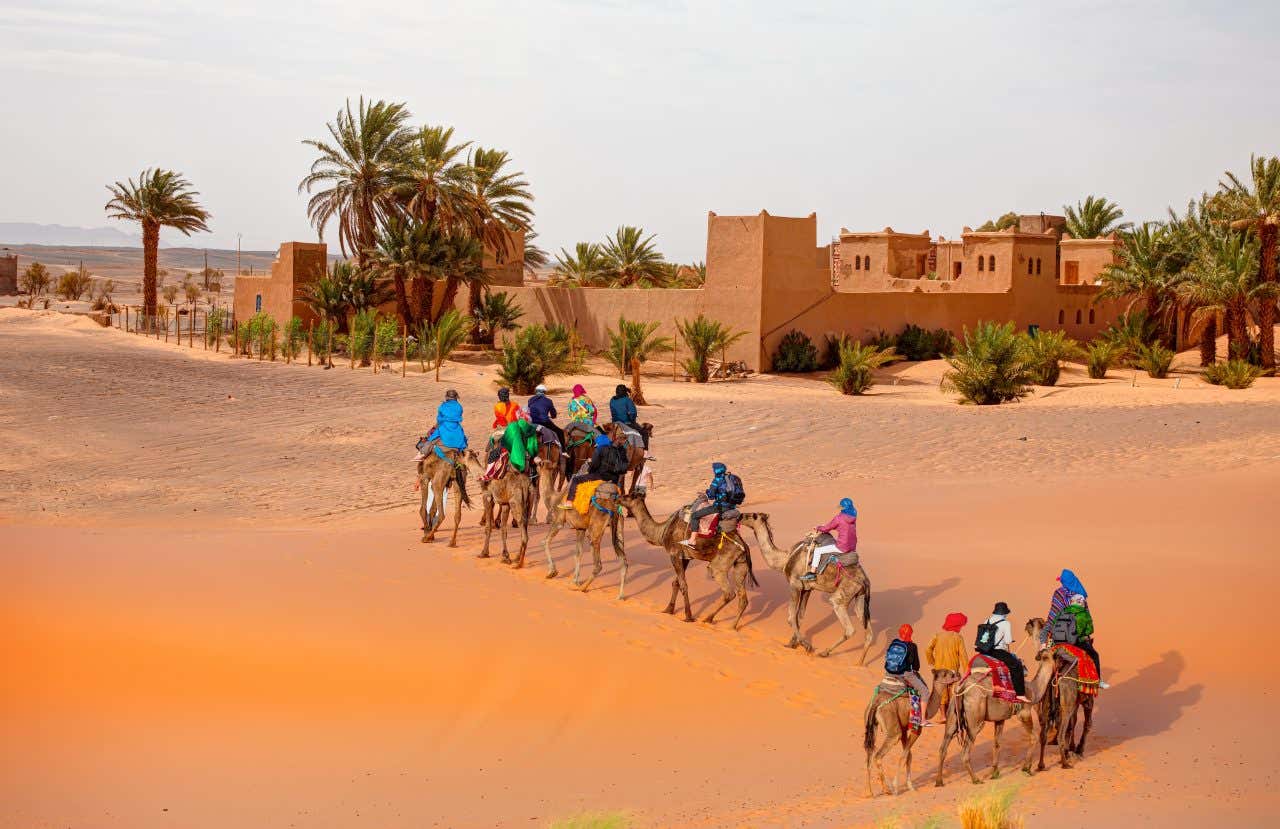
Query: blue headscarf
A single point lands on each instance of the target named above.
(602, 440)
(1073, 585)
(718, 469)
(847, 507)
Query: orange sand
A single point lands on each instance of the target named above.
(217, 612)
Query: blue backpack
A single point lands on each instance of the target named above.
(895, 658)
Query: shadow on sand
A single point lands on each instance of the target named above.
(1147, 704)
(889, 608)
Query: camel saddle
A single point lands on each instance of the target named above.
(845, 560)
(546, 437)
(725, 523)
(576, 432)
(497, 468)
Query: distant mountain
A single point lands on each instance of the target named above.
(29, 233)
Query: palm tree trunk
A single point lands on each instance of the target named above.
(1267, 233)
(637, 396)
(150, 258)
(1209, 341)
(1237, 334)
(422, 297)
(402, 299)
(473, 302)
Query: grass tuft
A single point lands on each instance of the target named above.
(594, 820)
(990, 810)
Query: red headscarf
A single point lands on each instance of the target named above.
(904, 633)
(955, 621)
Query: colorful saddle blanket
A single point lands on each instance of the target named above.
(497, 468)
(893, 683)
(1085, 669)
(1001, 682)
(583, 495)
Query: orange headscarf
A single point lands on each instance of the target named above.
(904, 633)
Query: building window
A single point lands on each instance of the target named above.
(1062, 316)
(991, 263)
(1030, 265)
(857, 263)
(1070, 273)
(1037, 266)
(257, 303)
(957, 267)
(868, 264)
(982, 265)
(1077, 316)
(1091, 316)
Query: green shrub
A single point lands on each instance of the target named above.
(705, 338)
(855, 373)
(1045, 352)
(1132, 332)
(214, 322)
(594, 820)
(292, 339)
(388, 338)
(831, 349)
(1155, 359)
(437, 342)
(881, 340)
(262, 334)
(496, 312)
(989, 366)
(796, 353)
(916, 343)
(1234, 374)
(360, 343)
(530, 356)
(244, 337)
(1099, 356)
(74, 284)
(322, 339)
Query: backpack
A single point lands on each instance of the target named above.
(615, 461)
(733, 492)
(895, 658)
(986, 640)
(1064, 628)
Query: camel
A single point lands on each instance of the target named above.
(604, 512)
(973, 705)
(436, 477)
(509, 495)
(890, 708)
(635, 454)
(1057, 710)
(723, 554)
(844, 584)
(550, 478)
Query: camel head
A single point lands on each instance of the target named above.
(755, 520)
(631, 500)
(944, 677)
(1034, 627)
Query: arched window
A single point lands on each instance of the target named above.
(1091, 316)
(257, 302)
(1030, 265)
(1077, 316)
(991, 263)
(857, 263)
(1037, 266)
(868, 263)
(981, 265)
(1062, 316)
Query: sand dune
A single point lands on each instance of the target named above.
(218, 612)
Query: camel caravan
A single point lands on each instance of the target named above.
(579, 476)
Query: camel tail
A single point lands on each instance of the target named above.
(615, 529)
(866, 611)
(869, 733)
(962, 722)
(460, 478)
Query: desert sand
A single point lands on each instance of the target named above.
(217, 612)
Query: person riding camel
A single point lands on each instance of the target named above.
(724, 493)
(581, 409)
(843, 528)
(622, 409)
(948, 652)
(542, 411)
(995, 638)
(902, 660)
(448, 429)
(1068, 585)
(1074, 626)
(608, 463)
(505, 412)
(520, 440)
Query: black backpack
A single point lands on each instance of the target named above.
(1064, 628)
(615, 461)
(733, 491)
(987, 634)
(895, 658)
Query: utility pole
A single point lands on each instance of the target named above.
(206, 269)
(238, 255)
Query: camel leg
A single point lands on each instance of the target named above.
(910, 744)
(523, 515)
(805, 596)
(995, 750)
(486, 521)
(726, 595)
(841, 609)
(682, 578)
(556, 523)
(793, 617)
(1026, 719)
(948, 732)
(504, 514)
(457, 519)
(1087, 705)
(740, 570)
(577, 557)
(1043, 737)
(675, 587)
(1066, 731)
(622, 579)
(859, 610)
(596, 566)
(889, 739)
(422, 512)
(966, 749)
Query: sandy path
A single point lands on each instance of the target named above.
(246, 665)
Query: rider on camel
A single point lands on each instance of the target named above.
(448, 428)
(622, 409)
(581, 409)
(1000, 650)
(718, 498)
(505, 412)
(542, 411)
(844, 529)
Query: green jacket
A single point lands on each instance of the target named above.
(520, 440)
(1084, 621)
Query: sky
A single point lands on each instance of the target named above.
(912, 115)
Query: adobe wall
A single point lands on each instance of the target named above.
(593, 311)
(8, 274)
(296, 264)
(870, 261)
(1091, 256)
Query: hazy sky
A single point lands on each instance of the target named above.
(916, 115)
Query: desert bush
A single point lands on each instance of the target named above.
(35, 280)
(831, 349)
(704, 337)
(244, 336)
(191, 291)
(360, 343)
(214, 322)
(388, 338)
(262, 335)
(795, 353)
(916, 343)
(170, 293)
(436, 343)
(74, 284)
(1130, 333)
(990, 810)
(989, 366)
(1155, 359)
(322, 339)
(1045, 352)
(855, 373)
(530, 356)
(494, 313)
(1099, 355)
(292, 338)
(1234, 374)
(594, 820)
(575, 355)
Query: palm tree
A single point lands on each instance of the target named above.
(364, 289)
(159, 198)
(705, 337)
(1255, 206)
(496, 312)
(1145, 272)
(632, 344)
(359, 171)
(436, 180)
(1224, 280)
(535, 257)
(500, 204)
(582, 268)
(409, 251)
(1094, 218)
(1008, 220)
(327, 296)
(632, 260)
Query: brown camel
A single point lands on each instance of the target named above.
(973, 705)
(579, 448)
(890, 708)
(437, 479)
(1057, 710)
(724, 554)
(635, 454)
(550, 478)
(603, 512)
(509, 495)
(845, 584)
